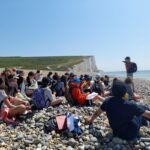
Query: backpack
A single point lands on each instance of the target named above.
(58, 123)
(50, 125)
(133, 68)
(39, 99)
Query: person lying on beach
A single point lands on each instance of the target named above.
(10, 106)
(125, 117)
(79, 97)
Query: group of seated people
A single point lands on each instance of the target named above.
(117, 97)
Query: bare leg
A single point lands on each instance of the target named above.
(20, 109)
(56, 102)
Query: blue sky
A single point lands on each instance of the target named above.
(108, 29)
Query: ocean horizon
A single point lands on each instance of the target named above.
(141, 74)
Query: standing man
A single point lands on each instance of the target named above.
(131, 67)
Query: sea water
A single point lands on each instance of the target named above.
(143, 74)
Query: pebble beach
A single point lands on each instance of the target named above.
(29, 134)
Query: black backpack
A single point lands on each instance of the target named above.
(50, 125)
(133, 68)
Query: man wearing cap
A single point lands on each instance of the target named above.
(128, 65)
(125, 117)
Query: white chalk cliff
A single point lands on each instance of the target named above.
(87, 66)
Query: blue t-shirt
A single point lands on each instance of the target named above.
(124, 117)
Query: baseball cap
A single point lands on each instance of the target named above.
(77, 80)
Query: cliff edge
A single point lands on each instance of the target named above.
(88, 65)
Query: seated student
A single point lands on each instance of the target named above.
(49, 76)
(86, 84)
(59, 87)
(67, 75)
(55, 76)
(125, 117)
(38, 76)
(14, 71)
(64, 80)
(31, 84)
(106, 80)
(48, 93)
(20, 80)
(12, 89)
(102, 81)
(97, 86)
(78, 96)
(130, 90)
(5, 75)
(10, 106)
(21, 85)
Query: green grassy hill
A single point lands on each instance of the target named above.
(59, 63)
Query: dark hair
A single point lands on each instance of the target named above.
(119, 89)
(38, 71)
(21, 71)
(106, 76)
(128, 80)
(128, 58)
(28, 79)
(102, 79)
(114, 80)
(31, 73)
(10, 77)
(13, 69)
(67, 74)
(49, 74)
(45, 82)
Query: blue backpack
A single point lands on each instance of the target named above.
(39, 99)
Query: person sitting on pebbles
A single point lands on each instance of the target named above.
(130, 90)
(51, 100)
(82, 98)
(125, 117)
(43, 98)
(10, 106)
(31, 84)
